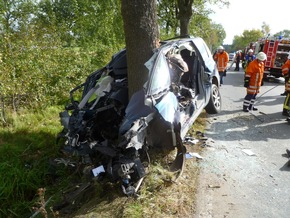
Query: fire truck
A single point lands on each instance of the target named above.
(277, 51)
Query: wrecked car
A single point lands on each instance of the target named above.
(114, 133)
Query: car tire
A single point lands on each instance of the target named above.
(215, 101)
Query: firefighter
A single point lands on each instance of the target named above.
(222, 59)
(248, 58)
(253, 81)
(237, 60)
(286, 74)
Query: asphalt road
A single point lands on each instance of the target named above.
(233, 183)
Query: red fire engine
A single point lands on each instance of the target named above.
(277, 51)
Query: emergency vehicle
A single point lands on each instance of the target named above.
(277, 51)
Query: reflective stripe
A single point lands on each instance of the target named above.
(286, 103)
(256, 80)
(246, 104)
(285, 70)
(287, 86)
(252, 102)
(253, 87)
(251, 91)
(286, 67)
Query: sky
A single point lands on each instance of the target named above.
(250, 14)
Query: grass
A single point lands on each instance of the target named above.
(27, 143)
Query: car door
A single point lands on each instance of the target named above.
(205, 68)
(157, 88)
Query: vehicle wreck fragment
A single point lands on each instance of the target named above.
(114, 134)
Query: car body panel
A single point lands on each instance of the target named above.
(232, 56)
(104, 123)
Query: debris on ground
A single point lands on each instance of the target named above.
(214, 186)
(190, 140)
(193, 154)
(199, 133)
(248, 152)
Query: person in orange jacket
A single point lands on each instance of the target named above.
(285, 70)
(253, 81)
(286, 74)
(222, 59)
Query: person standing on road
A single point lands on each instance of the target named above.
(238, 59)
(249, 58)
(253, 81)
(286, 74)
(222, 59)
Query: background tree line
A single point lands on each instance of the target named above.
(49, 46)
(240, 42)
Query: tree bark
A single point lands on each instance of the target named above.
(141, 36)
(184, 26)
(184, 15)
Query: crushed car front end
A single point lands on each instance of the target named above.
(113, 134)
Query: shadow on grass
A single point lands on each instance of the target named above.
(24, 168)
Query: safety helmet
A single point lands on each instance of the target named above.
(221, 47)
(250, 50)
(261, 56)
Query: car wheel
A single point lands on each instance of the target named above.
(215, 101)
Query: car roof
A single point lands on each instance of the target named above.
(199, 45)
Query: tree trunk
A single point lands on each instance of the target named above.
(184, 24)
(141, 36)
(184, 15)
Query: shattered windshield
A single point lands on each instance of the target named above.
(159, 76)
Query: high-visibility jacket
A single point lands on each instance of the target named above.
(286, 73)
(222, 60)
(286, 67)
(255, 72)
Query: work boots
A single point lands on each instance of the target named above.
(245, 109)
(285, 113)
(251, 108)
